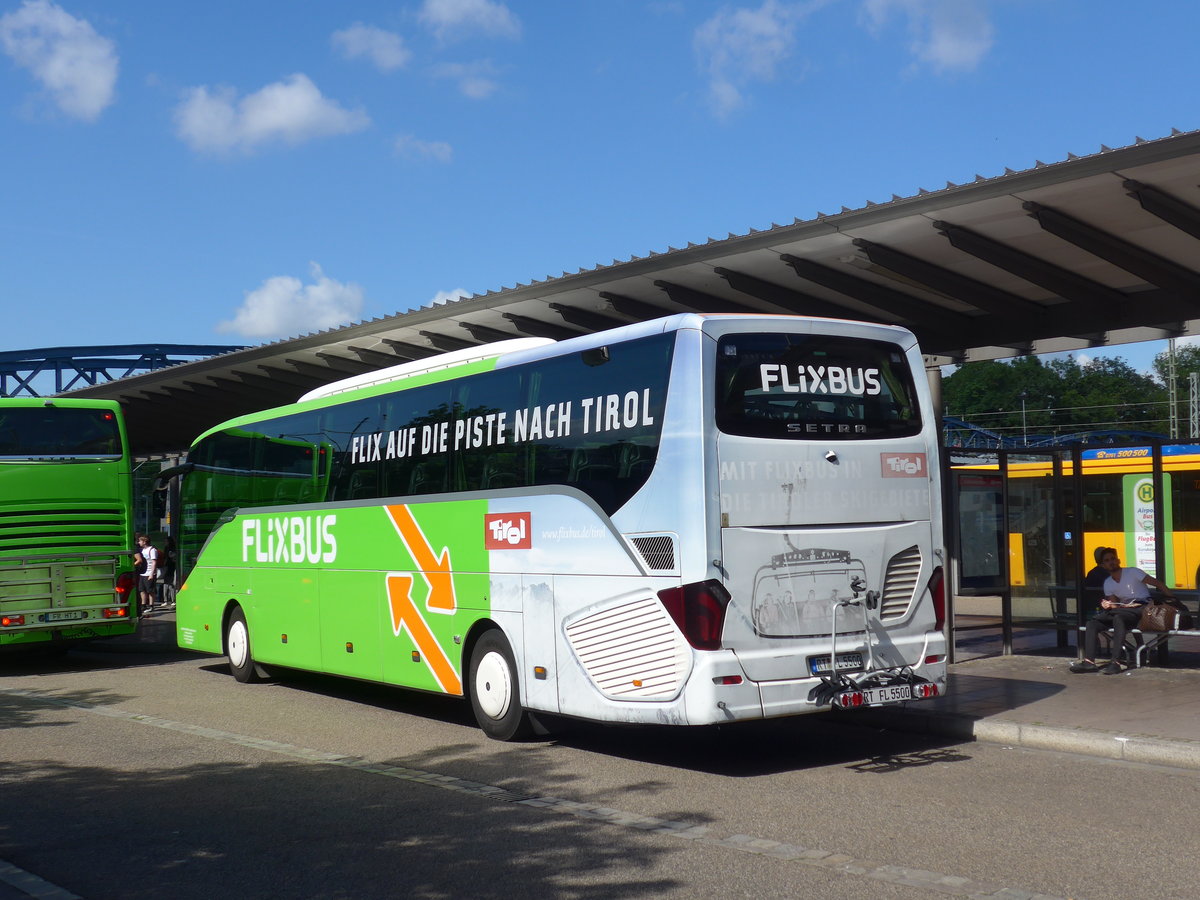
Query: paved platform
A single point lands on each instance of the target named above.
(1032, 699)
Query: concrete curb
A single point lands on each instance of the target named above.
(1107, 745)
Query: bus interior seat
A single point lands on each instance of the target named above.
(428, 477)
(551, 465)
(499, 471)
(364, 485)
(636, 460)
(593, 463)
(286, 490)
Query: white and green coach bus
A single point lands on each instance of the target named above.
(693, 520)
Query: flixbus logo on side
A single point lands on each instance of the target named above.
(507, 531)
(289, 539)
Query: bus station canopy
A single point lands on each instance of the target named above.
(1094, 250)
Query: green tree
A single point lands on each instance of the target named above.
(1109, 394)
(1058, 397)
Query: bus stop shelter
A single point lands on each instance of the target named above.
(1025, 526)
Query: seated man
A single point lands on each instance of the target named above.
(1126, 591)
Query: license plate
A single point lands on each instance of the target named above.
(895, 693)
(846, 662)
(65, 616)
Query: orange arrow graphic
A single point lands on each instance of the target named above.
(435, 571)
(406, 615)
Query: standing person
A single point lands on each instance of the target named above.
(147, 577)
(1126, 591)
(139, 561)
(166, 573)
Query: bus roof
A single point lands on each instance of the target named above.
(522, 350)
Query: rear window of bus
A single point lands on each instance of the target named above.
(58, 432)
(814, 387)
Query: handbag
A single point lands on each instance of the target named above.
(1157, 616)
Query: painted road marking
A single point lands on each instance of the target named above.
(941, 883)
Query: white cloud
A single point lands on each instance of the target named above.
(947, 35)
(77, 66)
(739, 46)
(384, 49)
(283, 306)
(475, 80)
(414, 148)
(443, 297)
(452, 19)
(291, 111)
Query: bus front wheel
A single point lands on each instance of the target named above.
(237, 647)
(495, 691)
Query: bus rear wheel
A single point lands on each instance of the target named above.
(237, 647)
(495, 690)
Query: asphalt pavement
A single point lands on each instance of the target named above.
(1027, 699)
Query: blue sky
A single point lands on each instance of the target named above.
(233, 172)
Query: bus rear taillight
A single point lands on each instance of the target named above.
(126, 582)
(699, 611)
(937, 589)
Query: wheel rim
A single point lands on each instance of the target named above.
(239, 644)
(493, 689)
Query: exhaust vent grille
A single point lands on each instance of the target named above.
(632, 651)
(658, 551)
(900, 583)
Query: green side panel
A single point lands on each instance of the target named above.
(353, 622)
(359, 591)
(283, 609)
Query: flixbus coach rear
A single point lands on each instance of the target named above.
(66, 522)
(687, 521)
(825, 462)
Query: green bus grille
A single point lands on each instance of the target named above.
(74, 527)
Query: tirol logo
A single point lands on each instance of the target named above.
(507, 531)
(902, 465)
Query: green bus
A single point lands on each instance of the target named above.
(695, 520)
(66, 523)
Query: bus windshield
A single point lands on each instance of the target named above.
(798, 386)
(58, 432)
